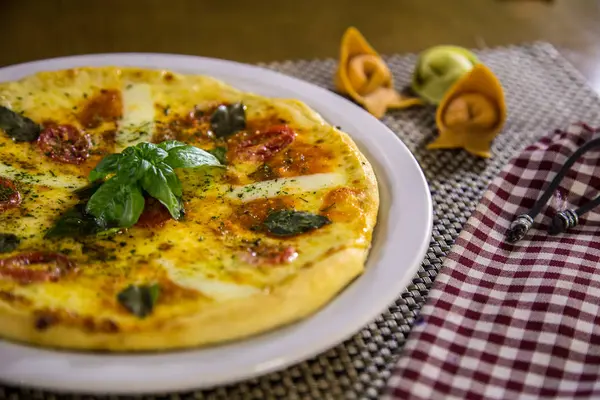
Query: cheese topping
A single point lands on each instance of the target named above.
(192, 278)
(285, 186)
(137, 124)
(45, 178)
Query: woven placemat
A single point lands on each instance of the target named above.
(543, 91)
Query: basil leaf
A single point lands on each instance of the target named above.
(8, 242)
(172, 180)
(155, 183)
(190, 157)
(220, 154)
(117, 202)
(291, 222)
(151, 152)
(108, 165)
(87, 191)
(17, 126)
(169, 144)
(139, 300)
(76, 222)
(132, 168)
(228, 119)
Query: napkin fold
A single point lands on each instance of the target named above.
(515, 321)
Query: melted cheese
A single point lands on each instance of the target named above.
(285, 186)
(137, 124)
(45, 178)
(191, 277)
(79, 296)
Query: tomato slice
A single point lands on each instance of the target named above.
(263, 145)
(10, 197)
(65, 143)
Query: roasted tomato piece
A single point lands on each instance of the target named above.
(36, 266)
(9, 195)
(65, 143)
(262, 145)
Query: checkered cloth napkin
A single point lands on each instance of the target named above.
(515, 321)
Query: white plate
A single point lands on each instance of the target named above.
(400, 241)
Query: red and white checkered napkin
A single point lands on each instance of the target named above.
(515, 321)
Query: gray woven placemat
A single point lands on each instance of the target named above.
(544, 92)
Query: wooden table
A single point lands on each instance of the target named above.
(252, 31)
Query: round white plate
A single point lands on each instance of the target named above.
(400, 241)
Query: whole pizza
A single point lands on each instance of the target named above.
(148, 210)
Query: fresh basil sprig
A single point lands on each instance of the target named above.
(144, 167)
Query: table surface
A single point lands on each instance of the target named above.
(544, 94)
(277, 30)
(307, 29)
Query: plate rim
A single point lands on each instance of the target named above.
(70, 360)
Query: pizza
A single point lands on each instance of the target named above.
(146, 210)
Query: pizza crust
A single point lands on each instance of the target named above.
(303, 295)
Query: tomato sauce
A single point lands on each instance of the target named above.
(302, 159)
(252, 214)
(104, 106)
(341, 204)
(191, 128)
